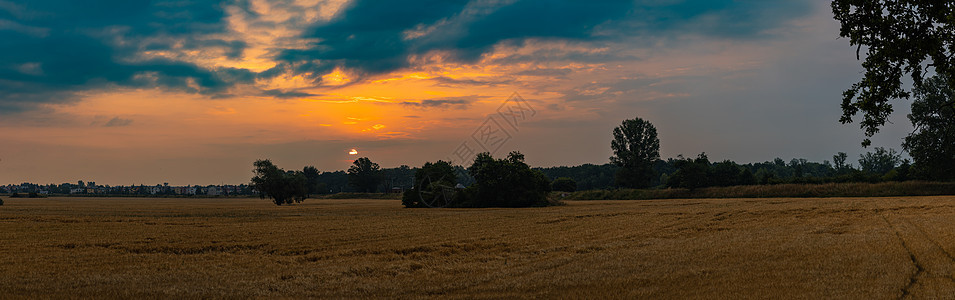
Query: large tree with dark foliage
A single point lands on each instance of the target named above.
(840, 164)
(313, 181)
(932, 145)
(879, 162)
(635, 148)
(587, 176)
(364, 175)
(564, 184)
(433, 185)
(283, 187)
(691, 173)
(900, 37)
(505, 183)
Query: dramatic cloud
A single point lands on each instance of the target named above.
(55, 48)
(52, 49)
(373, 37)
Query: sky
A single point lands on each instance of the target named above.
(192, 92)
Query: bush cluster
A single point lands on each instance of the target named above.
(564, 184)
(280, 185)
(507, 182)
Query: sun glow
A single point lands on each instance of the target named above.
(353, 152)
(336, 78)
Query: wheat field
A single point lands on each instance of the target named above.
(857, 248)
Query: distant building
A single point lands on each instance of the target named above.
(213, 191)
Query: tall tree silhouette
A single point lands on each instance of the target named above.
(364, 175)
(635, 147)
(900, 37)
(932, 145)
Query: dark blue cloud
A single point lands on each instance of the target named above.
(367, 36)
(720, 18)
(373, 36)
(52, 49)
(536, 19)
(287, 94)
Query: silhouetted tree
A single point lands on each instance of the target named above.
(879, 162)
(364, 175)
(505, 182)
(430, 184)
(746, 177)
(563, 184)
(401, 177)
(587, 176)
(336, 181)
(901, 173)
(691, 173)
(839, 163)
(799, 166)
(283, 187)
(725, 173)
(932, 145)
(900, 37)
(635, 148)
(313, 182)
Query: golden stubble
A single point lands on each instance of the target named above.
(859, 248)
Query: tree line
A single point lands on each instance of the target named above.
(507, 182)
(636, 155)
(634, 165)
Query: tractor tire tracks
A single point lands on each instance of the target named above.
(934, 266)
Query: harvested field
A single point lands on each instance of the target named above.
(874, 248)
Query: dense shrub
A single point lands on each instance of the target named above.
(691, 173)
(504, 183)
(433, 186)
(564, 184)
(410, 198)
(282, 186)
(1, 202)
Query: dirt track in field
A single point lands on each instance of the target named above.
(880, 248)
